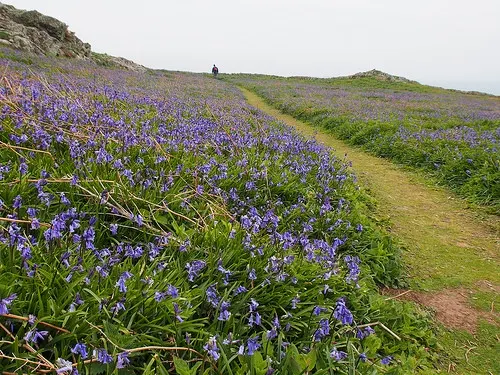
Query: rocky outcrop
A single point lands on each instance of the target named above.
(104, 59)
(35, 32)
(374, 73)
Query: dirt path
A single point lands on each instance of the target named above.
(447, 244)
(453, 253)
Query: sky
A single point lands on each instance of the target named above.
(447, 43)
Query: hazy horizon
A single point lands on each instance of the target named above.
(441, 43)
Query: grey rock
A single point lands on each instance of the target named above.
(37, 33)
(52, 26)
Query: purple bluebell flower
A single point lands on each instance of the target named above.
(352, 263)
(255, 319)
(63, 366)
(386, 360)
(317, 310)
(252, 345)
(212, 296)
(102, 356)
(211, 348)
(120, 305)
(323, 330)
(122, 287)
(134, 252)
(23, 167)
(184, 246)
(342, 313)
(177, 311)
(80, 349)
(18, 202)
(89, 236)
(74, 225)
(6, 302)
(159, 296)
(362, 333)
(253, 305)
(139, 221)
(194, 268)
(240, 289)
(338, 355)
(241, 350)
(113, 228)
(225, 272)
(172, 291)
(252, 275)
(34, 336)
(122, 360)
(272, 334)
(225, 314)
(31, 319)
(64, 199)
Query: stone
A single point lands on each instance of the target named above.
(35, 32)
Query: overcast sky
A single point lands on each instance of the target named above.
(449, 43)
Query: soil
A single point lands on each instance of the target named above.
(450, 306)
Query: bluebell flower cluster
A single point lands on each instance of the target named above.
(172, 219)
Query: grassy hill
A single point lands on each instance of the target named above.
(453, 136)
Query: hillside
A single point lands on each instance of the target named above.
(453, 136)
(159, 231)
(156, 222)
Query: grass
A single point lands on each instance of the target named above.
(163, 218)
(471, 354)
(451, 136)
(447, 245)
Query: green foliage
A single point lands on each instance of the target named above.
(79, 288)
(434, 130)
(102, 59)
(12, 55)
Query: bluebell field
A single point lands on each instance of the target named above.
(155, 223)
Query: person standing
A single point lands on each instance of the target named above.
(215, 71)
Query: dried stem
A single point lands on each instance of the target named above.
(17, 317)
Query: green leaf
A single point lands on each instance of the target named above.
(181, 366)
(159, 368)
(291, 364)
(259, 364)
(161, 219)
(148, 370)
(307, 361)
(372, 345)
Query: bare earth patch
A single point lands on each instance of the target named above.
(450, 306)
